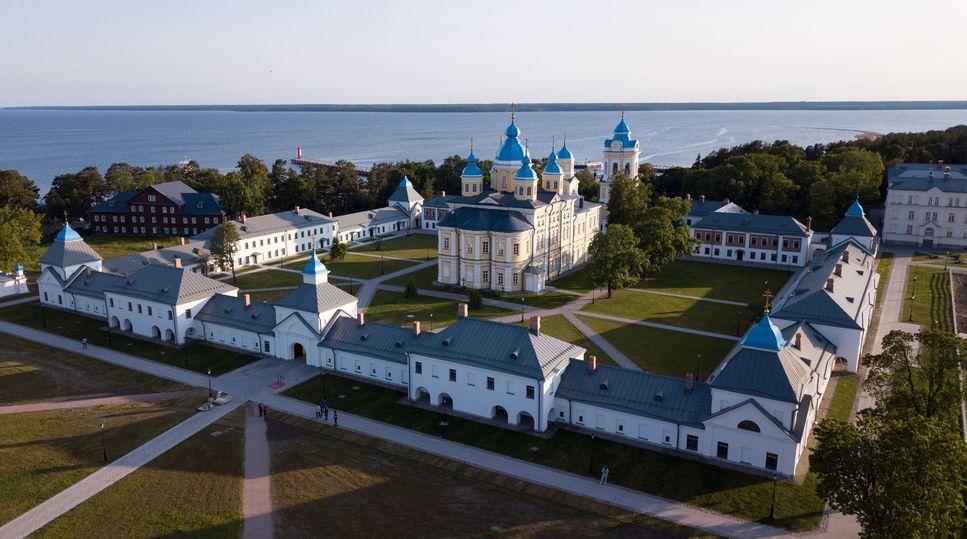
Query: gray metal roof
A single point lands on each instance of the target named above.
(316, 298)
(810, 301)
(93, 283)
(701, 207)
(494, 345)
(173, 191)
(190, 254)
(926, 176)
(775, 375)
(635, 392)
(855, 225)
(370, 218)
(69, 253)
(753, 223)
(273, 222)
(116, 204)
(373, 339)
(467, 218)
(169, 285)
(231, 311)
(405, 193)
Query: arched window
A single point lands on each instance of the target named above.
(614, 168)
(749, 425)
(928, 232)
(555, 185)
(628, 168)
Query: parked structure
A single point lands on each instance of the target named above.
(164, 208)
(926, 206)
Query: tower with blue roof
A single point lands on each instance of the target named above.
(315, 272)
(854, 225)
(471, 179)
(68, 253)
(565, 160)
(508, 159)
(621, 154)
(525, 180)
(552, 175)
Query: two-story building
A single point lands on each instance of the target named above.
(765, 239)
(166, 208)
(926, 206)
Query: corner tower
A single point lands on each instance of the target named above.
(471, 179)
(552, 176)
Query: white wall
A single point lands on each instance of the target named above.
(382, 370)
(783, 411)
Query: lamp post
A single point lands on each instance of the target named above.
(945, 259)
(591, 462)
(698, 363)
(209, 382)
(324, 387)
(738, 322)
(103, 443)
(381, 265)
(914, 295)
(521, 309)
(592, 295)
(772, 509)
(431, 322)
(351, 284)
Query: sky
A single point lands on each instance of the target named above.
(173, 52)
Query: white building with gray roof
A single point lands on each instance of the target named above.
(926, 205)
(403, 212)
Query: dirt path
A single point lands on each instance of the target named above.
(102, 401)
(257, 485)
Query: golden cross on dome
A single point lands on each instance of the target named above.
(767, 295)
(471, 144)
(622, 111)
(553, 142)
(513, 111)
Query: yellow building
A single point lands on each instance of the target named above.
(522, 229)
(621, 154)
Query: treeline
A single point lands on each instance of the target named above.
(818, 181)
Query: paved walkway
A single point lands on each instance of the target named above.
(685, 296)
(605, 345)
(657, 325)
(11, 303)
(101, 401)
(632, 500)
(456, 296)
(257, 484)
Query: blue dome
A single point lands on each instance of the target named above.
(18, 267)
(564, 153)
(552, 166)
(622, 128)
(855, 210)
(511, 150)
(526, 171)
(471, 170)
(512, 130)
(764, 336)
(405, 182)
(67, 234)
(315, 267)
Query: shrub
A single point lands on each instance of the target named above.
(410, 290)
(476, 299)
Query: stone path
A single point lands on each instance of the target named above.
(20, 301)
(455, 296)
(657, 325)
(685, 296)
(605, 345)
(257, 484)
(101, 401)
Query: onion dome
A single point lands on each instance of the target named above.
(552, 166)
(511, 149)
(855, 210)
(526, 171)
(315, 266)
(471, 170)
(564, 153)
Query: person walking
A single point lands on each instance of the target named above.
(325, 413)
(84, 343)
(335, 418)
(318, 411)
(604, 475)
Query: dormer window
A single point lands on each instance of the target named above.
(152, 198)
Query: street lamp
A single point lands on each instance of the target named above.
(381, 265)
(103, 443)
(591, 462)
(592, 295)
(324, 387)
(521, 309)
(772, 510)
(431, 322)
(738, 322)
(209, 382)
(698, 363)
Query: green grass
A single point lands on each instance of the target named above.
(34, 372)
(195, 356)
(319, 472)
(938, 258)
(931, 306)
(883, 266)
(557, 326)
(364, 267)
(689, 313)
(422, 279)
(414, 246)
(550, 299)
(843, 397)
(266, 279)
(393, 308)
(578, 280)
(662, 351)
(112, 245)
(718, 489)
(195, 490)
(45, 452)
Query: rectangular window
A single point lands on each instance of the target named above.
(266, 346)
(170, 314)
(485, 247)
(453, 375)
(110, 300)
(772, 461)
(516, 249)
(691, 442)
(139, 308)
(910, 215)
(490, 383)
(783, 259)
(722, 451)
(500, 278)
(516, 278)
(446, 242)
(434, 371)
(795, 244)
(485, 276)
(530, 392)
(418, 367)
(188, 313)
(130, 307)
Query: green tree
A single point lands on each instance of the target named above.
(627, 200)
(475, 300)
(588, 187)
(925, 384)
(338, 249)
(119, 178)
(16, 190)
(662, 234)
(900, 477)
(224, 245)
(410, 291)
(75, 193)
(19, 236)
(615, 258)
(851, 172)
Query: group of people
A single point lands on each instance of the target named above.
(322, 412)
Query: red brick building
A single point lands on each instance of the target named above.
(166, 208)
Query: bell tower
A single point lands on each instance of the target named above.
(471, 178)
(621, 154)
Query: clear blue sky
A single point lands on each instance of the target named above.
(249, 52)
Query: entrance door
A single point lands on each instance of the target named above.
(298, 351)
(928, 242)
(739, 255)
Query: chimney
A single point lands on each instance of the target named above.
(839, 270)
(88, 271)
(798, 342)
(592, 363)
(809, 224)
(536, 325)
(443, 194)
(329, 215)
(297, 210)
(416, 328)
(243, 218)
(829, 285)
(248, 300)
(361, 318)
(463, 310)
(940, 163)
(725, 200)
(846, 256)
(178, 262)
(689, 382)
(181, 240)
(154, 246)
(688, 197)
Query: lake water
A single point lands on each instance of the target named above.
(44, 143)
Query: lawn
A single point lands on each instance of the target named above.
(558, 326)
(35, 372)
(414, 247)
(45, 452)
(423, 279)
(364, 267)
(938, 258)
(662, 351)
(843, 397)
(927, 300)
(689, 313)
(883, 266)
(319, 473)
(550, 299)
(393, 308)
(726, 491)
(699, 279)
(195, 490)
(112, 245)
(266, 279)
(196, 356)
